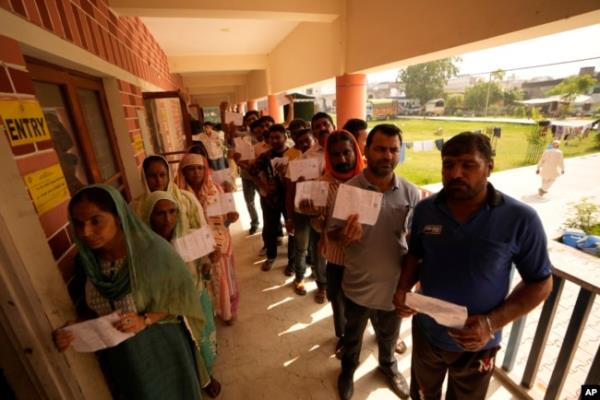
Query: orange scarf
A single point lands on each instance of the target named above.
(359, 163)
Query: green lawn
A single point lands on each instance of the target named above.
(424, 167)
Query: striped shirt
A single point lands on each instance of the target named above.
(332, 251)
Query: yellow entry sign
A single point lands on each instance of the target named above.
(24, 122)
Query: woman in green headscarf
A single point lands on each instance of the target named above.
(156, 175)
(132, 270)
(161, 212)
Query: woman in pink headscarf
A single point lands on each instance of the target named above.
(195, 176)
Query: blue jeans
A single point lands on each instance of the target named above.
(272, 229)
(250, 190)
(304, 235)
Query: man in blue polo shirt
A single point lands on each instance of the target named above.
(463, 243)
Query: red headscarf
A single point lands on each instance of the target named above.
(358, 166)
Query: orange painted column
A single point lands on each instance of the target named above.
(275, 109)
(251, 105)
(350, 97)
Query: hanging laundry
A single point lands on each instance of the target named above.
(428, 145)
(409, 145)
(439, 143)
(402, 153)
(418, 146)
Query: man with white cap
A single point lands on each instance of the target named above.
(550, 166)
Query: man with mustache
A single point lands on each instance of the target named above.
(372, 260)
(343, 161)
(463, 243)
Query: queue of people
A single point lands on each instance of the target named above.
(457, 246)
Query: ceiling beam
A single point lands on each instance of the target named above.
(210, 63)
(212, 80)
(200, 90)
(305, 10)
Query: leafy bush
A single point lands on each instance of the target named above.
(584, 215)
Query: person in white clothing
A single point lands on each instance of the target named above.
(550, 166)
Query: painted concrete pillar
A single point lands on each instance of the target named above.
(251, 105)
(351, 97)
(275, 109)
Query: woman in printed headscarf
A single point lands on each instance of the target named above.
(131, 271)
(195, 175)
(161, 212)
(156, 175)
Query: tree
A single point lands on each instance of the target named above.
(570, 87)
(482, 93)
(426, 81)
(511, 96)
(454, 103)
(495, 76)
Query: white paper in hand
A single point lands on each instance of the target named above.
(443, 312)
(317, 191)
(196, 244)
(308, 168)
(221, 205)
(222, 175)
(236, 118)
(352, 200)
(277, 161)
(97, 334)
(245, 148)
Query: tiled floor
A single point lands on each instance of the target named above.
(281, 346)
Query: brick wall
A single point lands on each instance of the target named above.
(15, 82)
(122, 41)
(131, 97)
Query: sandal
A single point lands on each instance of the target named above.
(213, 388)
(320, 296)
(299, 288)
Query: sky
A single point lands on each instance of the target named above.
(577, 44)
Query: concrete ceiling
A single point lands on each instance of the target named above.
(219, 46)
(192, 36)
(236, 50)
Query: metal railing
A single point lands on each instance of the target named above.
(573, 266)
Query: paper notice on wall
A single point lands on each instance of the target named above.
(236, 118)
(443, 312)
(47, 188)
(352, 200)
(307, 168)
(317, 191)
(221, 204)
(196, 244)
(245, 148)
(97, 334)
